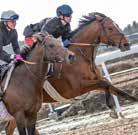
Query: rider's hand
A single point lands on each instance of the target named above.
(18, 57)
(66, 42)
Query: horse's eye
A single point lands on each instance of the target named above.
(51, 45)
(110, 29)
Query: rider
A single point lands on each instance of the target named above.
(8, 35)
(58, 26)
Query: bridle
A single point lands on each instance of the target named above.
(103, 31)
(26, 63)
(102, 28)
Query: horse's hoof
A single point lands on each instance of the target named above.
(59, 118)
(53, 115)
(113, 115)
(121, 115)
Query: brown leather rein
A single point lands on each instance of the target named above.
(77, 44)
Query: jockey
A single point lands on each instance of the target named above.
(58, 26)
(8, 35)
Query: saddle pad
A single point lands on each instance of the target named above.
(53, 93)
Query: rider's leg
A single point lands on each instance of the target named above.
(4, 114)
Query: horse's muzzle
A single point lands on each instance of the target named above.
(125, 47)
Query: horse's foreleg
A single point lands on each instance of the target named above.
(109, 100)
(111, 104)
(122, 94)
(31, 122)
(27, 129)
(21, 122)
(31, 130)
(89, 83)
(112, 89)
(10, 127)
(109, 88)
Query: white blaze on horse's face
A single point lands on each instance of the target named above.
(55, 52)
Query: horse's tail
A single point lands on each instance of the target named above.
(123, 94)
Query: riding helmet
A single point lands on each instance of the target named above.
(64, 10)
(9, 15)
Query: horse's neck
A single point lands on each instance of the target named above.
(39, 68)
(88, 35)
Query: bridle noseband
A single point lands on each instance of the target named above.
(101, 23)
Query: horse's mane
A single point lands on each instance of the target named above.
(26, 51)
(87, 19)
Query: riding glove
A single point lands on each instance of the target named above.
(18, 57)
(66, 43)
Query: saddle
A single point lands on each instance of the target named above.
(3, 70)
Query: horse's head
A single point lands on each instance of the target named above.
(98, 28)
(111, 34)
(54, 50)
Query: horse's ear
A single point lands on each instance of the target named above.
(38, 36)
(48, 37)
(41, 36)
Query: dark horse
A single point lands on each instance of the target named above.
(83, 75)
(23, 96)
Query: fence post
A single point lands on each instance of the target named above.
(118, 107)
(52, 114)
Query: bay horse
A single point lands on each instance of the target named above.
(83, 75)
(23, 96)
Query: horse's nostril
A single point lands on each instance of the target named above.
(71, 58)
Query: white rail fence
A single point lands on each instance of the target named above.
(115, 54)
(101, 59)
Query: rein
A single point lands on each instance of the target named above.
(39, 79)
(26, 63)
(29, 62)
(82, 44)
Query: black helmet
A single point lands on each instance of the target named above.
(64, 10)
(9, 15)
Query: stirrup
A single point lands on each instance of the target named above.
(4, 114)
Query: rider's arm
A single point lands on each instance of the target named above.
(67, 32)
(52, 27)
(15, 44)
(3, 55)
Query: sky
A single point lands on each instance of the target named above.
(123, 12)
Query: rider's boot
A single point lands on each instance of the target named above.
(4, 114)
